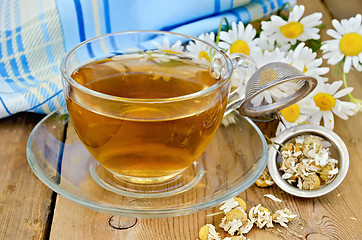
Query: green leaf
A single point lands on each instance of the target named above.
(314, 44)
(322, 26)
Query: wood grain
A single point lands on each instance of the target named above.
(24, 200)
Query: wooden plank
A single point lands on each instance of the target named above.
(343, 9)
(76, 222)
(24, 200)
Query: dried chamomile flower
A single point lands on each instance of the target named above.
(261, 216)
(287, 147)
(208, 232)
(311, 182)
(283, 216)
(327, 172)
(306, 163)
(228, 205)
(233, 203)
(236, 221)
(265, 180)
(241, 202)
(312, 142)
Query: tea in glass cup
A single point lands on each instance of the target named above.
(145, 114)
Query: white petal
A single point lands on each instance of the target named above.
(334, 34)
(343, 92)
(332, 88)
(166, 43)
(347, 64)
(223, 44)
(280, 128)
(340, 114)
(346, 26)
(298, 49)
(337, 58)
(286, 175)
(296, 14)
(268, 97)
(313, 18)
(256, 101)
(272, 197)
(355, 62)
(328, 120)
(345, 107)
(337, 25)
(225, 37)
(316, 118)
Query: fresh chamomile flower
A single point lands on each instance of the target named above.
(261, 58)
(236, 221)
(283, 216)
(261, 216)
(200, 50)
(325, 97)
(296, 28)
(239, 39)
(295, 114)
(305, 60)
(166, 46)
(158, 55)
(298, 113)
(347, 44)
(265, 43)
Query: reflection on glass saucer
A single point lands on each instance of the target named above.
(232, 162)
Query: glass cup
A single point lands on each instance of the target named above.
(146, 104)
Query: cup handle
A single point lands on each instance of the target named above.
(243, 67)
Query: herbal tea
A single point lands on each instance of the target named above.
(145, 139)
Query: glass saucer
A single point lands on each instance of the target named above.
(233, 161)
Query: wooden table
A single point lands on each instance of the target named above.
(29, 210)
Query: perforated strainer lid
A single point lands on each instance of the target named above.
(275, 86)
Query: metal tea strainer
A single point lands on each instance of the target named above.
(272, 87)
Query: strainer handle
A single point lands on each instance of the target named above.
(245, 65)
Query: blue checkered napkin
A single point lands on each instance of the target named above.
(35, 35)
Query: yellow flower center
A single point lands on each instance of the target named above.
(291, 113)
(204, 54)
(170, 51)
(240, 46)
(304, 70)
(292, 30)
(351, 44)
(324, 101)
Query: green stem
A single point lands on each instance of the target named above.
(351, 98)
(281, 9)
(344, 78)
(219, 30)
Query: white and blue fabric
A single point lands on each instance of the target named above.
(36, 34)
